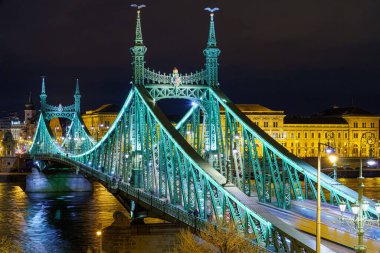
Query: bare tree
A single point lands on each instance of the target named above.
(222, 238)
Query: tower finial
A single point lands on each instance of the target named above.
(138, 33)
(211, 36)
(43, 91)
(43, 95)
(30, 100)
(77, 96)
(77, 87)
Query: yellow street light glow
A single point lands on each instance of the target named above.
(98, 233)
(333, 158)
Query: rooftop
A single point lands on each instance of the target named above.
(313, 120)
(104, 109)
(344, 111)
(255, 109)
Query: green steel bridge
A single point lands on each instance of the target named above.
(201, 164)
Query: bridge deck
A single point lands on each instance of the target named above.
(302, 215)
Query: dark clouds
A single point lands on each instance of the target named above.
(301, 56)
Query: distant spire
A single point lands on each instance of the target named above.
(29, 105)
(77, 87)
(30, 101)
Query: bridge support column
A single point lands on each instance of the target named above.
(137, 178)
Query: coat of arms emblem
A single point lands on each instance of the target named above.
(176, 79)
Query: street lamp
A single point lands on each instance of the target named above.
(333, 158)
(359, 208)
(99, 234)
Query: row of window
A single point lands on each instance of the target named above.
(356, 124)
(364, 125)
(327, 135)
(266, 124)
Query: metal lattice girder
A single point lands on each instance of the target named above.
(78, 138)
(165, 91)
(193, 185)
(295, 165)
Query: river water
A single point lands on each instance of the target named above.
(67, 222)
(51, 222)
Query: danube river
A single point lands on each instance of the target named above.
(46, 222)
(67, 222)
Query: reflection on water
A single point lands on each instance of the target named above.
(372, 186)
(67, 222)
(53, 222)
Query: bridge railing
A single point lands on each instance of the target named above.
(176, 212)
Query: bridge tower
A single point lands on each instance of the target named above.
(77, 137)
(138, 52)
(211, 53)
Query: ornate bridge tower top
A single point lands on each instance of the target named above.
(175, 85)
(60, 111)
(138, 50)
(212, 52)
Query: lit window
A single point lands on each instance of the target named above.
(275, 124)
(265, 124)
(355, 124)
(364, 125)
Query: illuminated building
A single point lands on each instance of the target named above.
(352, 131)
(99, 120)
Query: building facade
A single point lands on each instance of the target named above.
(99, 120)
(352, 131)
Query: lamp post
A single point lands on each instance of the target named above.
(359, 208)
(333, 158)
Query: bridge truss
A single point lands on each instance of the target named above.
(76, 139)
(215, 160)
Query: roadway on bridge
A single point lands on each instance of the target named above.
(301, 215)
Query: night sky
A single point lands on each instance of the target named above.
(297, 56)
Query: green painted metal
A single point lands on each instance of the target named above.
(215, 162)
(77, 138)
